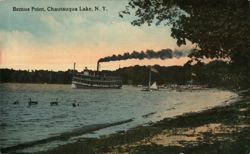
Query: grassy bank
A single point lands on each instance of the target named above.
(224, 129)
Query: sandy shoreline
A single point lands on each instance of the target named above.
(175, 133)
(64, 136)
(219, 129)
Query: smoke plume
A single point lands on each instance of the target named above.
(149, 54)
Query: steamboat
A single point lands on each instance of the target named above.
(95, 79)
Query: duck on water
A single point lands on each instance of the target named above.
(75, 104)
(32, 102)
(16, 102)
(54, 102)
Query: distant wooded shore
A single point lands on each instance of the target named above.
(213, 74)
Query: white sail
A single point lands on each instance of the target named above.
(73, 86)
(154, 86)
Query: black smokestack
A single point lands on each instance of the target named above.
(149, 54)
(98, 66)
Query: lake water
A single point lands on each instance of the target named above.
(22, 123)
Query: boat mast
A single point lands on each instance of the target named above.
(50, 76)
(74, 69)
(149, 80)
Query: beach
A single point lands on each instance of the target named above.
(130, 121)
(223, 129)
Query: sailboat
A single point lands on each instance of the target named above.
(154, 86)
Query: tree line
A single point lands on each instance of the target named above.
(35, 76)
(213, 74)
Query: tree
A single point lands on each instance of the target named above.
(219, 28)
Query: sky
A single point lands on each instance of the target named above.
(55, 40)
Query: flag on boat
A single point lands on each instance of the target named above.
(154, 70)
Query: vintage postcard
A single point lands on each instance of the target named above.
(125, 76)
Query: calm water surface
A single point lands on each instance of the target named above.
(22, 123)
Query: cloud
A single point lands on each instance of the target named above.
(115, 33)
(78, 30)
(15, 40)
(52, 23)
(50, 38)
